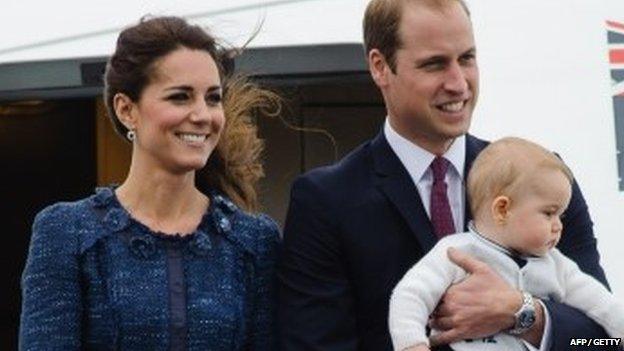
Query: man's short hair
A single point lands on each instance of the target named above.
(504, 168)
(381, 25)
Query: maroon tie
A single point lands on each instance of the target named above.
(441, 215)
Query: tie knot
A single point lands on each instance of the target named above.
(439, 167)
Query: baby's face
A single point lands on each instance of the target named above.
(534, 222)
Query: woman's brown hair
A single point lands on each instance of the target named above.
(235, 167)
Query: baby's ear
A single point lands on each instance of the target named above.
(500, 209)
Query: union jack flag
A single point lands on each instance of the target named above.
(615, 35)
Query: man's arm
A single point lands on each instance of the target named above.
(316, 307)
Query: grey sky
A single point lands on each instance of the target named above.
(36, 29)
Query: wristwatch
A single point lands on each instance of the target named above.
(525, 316)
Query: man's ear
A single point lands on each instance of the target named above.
(378, 67)
(124, 109)
(500, 209)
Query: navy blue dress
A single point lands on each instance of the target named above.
(97, 279)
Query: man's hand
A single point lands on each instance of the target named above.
(481, 305)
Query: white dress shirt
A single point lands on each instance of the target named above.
(417, 160)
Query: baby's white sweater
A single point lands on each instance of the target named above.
(553, 277)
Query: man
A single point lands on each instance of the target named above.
(353, 229)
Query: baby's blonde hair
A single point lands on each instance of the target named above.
(504, 167)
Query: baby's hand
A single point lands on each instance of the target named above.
(419, 347)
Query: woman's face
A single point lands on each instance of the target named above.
(179, 116)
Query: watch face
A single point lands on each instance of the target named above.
(526, 319)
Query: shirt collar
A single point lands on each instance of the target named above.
(417, 160)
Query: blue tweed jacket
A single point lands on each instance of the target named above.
(97, 279)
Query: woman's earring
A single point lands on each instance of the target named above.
(131, 135)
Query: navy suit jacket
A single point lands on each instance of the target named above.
(352, 231)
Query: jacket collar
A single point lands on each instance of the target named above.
(393, 180)
(222, 216)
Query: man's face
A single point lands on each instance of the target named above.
(432, 93)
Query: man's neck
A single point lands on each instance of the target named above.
(435, 146)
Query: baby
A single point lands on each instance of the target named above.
(517, 191)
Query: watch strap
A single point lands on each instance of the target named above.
(525, 316)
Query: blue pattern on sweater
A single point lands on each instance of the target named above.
(96, 279)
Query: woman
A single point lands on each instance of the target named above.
(170, 259)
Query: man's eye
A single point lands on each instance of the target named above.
(432, 65)
(467, 59)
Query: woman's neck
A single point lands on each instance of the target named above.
(165, 202)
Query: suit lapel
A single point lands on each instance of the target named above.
(393, 180)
